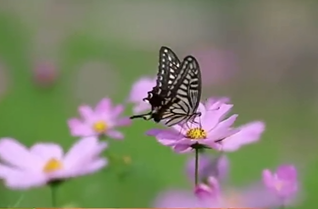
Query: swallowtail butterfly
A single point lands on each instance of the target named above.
(177, 93)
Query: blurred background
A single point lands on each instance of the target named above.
(58, 54)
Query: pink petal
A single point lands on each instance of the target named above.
(183, 146)
(268, 178)
(18, 179)
(81, 150)
(123, 122)
(287, 172)
(141, 107)
(140, 89)
(86, 112)
(14, 153)
(103, 106)
(47, 151)
(222, 129)
(79, 128)
(165, 136)
(117, 110)
(115, 134)
(94, 166)
(248, 133)
(213, 117)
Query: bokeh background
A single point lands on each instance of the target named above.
(58, 54)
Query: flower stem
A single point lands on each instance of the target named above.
(54, 186)
(196, 175)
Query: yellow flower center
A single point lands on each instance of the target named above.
(196, 133)
(52, 165)
(100, 127)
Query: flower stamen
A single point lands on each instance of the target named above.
(100, 127)
(52, 165)
(196, 133)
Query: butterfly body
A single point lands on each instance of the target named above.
(176, 96)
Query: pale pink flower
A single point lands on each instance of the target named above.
(209, 165)
(217, 66)
(211, 130)
(102, 120)
(139, 91)
(24, 168)
(283, 182)
(210, 190)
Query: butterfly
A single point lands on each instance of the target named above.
(176, 96)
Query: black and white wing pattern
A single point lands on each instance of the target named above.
(160, 96)
(187, 94)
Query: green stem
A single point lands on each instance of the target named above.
(196, 175)
(53, 195)
(54, 186)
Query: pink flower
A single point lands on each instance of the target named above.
(24, 168)
(217, 66)
(101, 121)
(283, 182)
(216, 166)
(139, 91)
(211, 190)
(210, 130)
(212, 103)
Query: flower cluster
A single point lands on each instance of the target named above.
(213, 131)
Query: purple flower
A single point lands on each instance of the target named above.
(24, 168)
(45, 74)
(212, 103)
(101, 121)
(283, 182)
(139, 91)
(216, 166)
(211, 130)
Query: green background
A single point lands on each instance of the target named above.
(31, 113)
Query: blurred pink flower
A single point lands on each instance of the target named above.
(139, 91)
(283, 182)
(23, 168)
(254, 196)
(101, 121)
(216, 166)
(44, 74)
(210, 130)
(210, 190)
(217, 66)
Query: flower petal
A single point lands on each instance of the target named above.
(86, 112)
(166, 137)
(123, 122)
(114, 134)
(18, 179)
(47, 151)
(94, 166)
(79, 128)
(213, 117)
(183, 146)
(140, 89)
(15, 154)
(84, 149)
(248, 133)
(103, 106)
(222, 129)
(268, 178)
(287, 172)
(141, 107)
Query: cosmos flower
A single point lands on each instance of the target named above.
(252, 196)
(209, 190)
(211, 130)
(283, 182)
(24, 168)
(216, 166)
(99, 121)
(139, 91)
